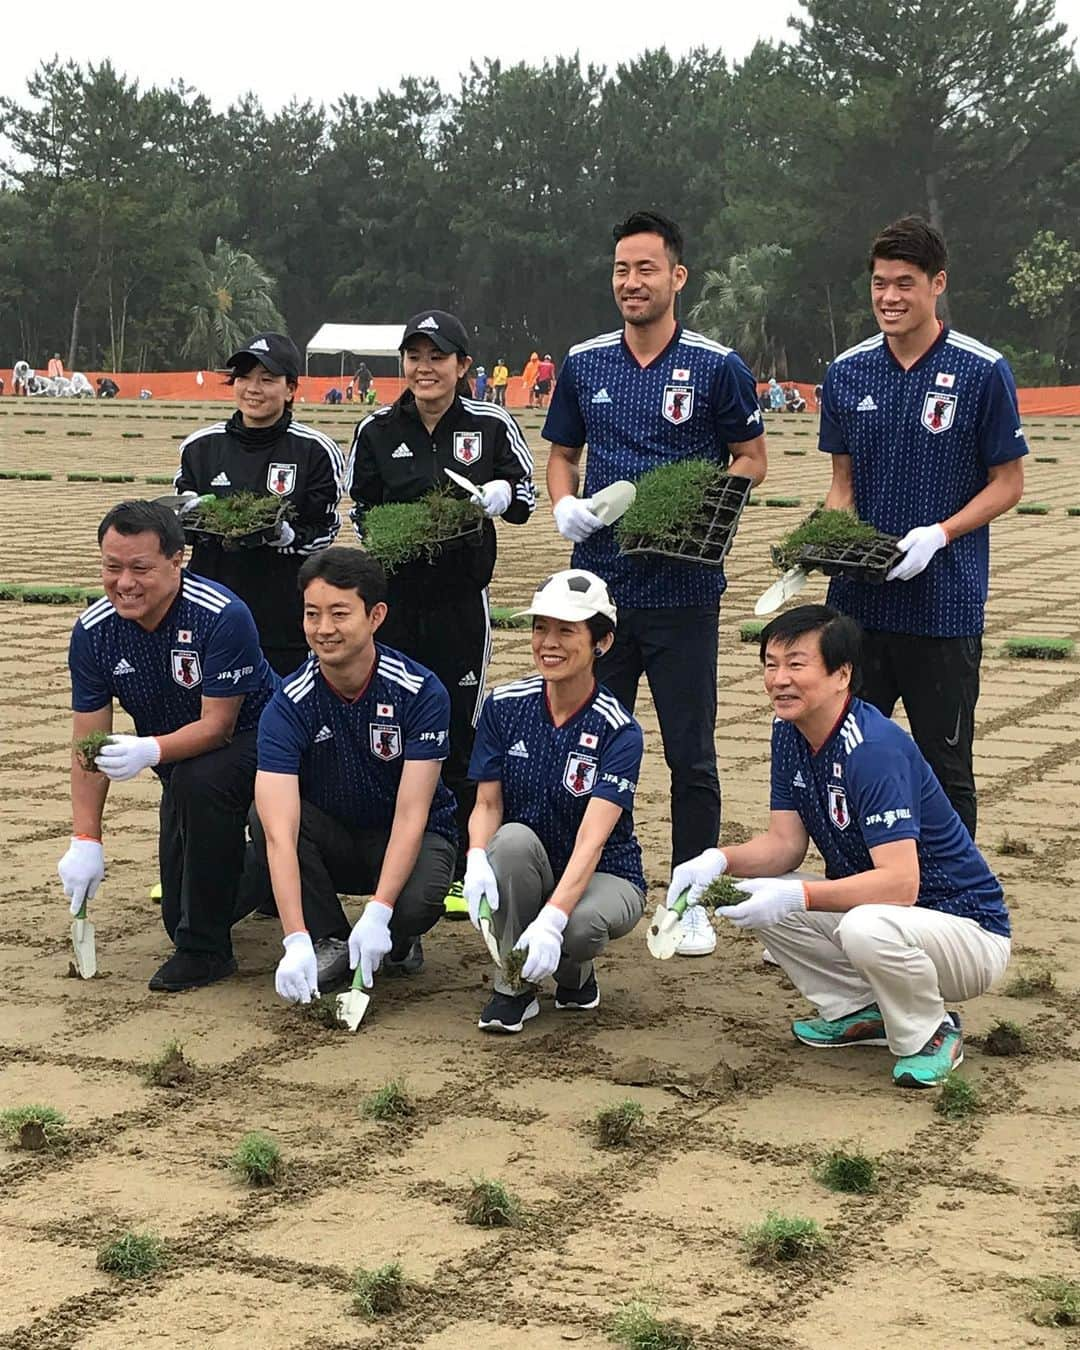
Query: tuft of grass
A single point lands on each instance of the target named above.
(1007, 1038)
(88, 747)
(852, 1173)
(1059, 1303)
(779, 1238)
(132, 1256)
(82, 477)
(390, 1102)
(77, 433)
(821, 529)
(1031, 983)
(502, 616)
(668, 498)
(1046, 459)
(379, 1291)
(257, 1159)
(401, 532)
(1012, 846)
(323, 1010)
(636, 1327)
(1072, 510)
(132, 435)
(723, 891)
(616, 1125)
(235, 516)
(169, 1068)
(35, 476)
(1033, 509)
(491, 1205)
(795, 452)
(33, 1126)
(958, 1098)
(118, 478)
(513, 965)
(34, 594)
(5, 474)
(750, 631)
(33, 431)
(162, 478)
(783, 501)
(1036, 648)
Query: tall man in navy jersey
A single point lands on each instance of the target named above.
(909, 914)
(348, 796)
(924, 432)
(182, 656)
(649, 394)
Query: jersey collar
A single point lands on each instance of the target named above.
(658, 358)
(943, 333)
(574, 715)
(342, 698)
(836, 728)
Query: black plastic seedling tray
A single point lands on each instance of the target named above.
(232, 543)
(868, 561)
(709, 533)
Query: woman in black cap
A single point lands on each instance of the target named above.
(439, 610)
(261, 449)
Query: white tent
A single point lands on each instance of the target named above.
(356, 339)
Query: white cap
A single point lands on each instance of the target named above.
(572, 595)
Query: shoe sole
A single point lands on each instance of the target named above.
(840, 1045)
(533, 1010)
(578, 1007)
(162, 988)
(906, 1080)
(705, 951)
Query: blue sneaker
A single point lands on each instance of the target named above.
(865, 1027)
(936, 1060)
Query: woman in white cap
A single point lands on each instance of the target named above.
(551, 838)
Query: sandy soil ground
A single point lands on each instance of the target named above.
(736, 1113)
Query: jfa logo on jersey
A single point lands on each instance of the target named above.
(838, 807)
(938, 412)
(385, 741)
(580, 774)
(467, 445)
(281, 479)
(186, 670)
(678, 403)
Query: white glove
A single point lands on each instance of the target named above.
(82, 870)
(918, 546)
(574, 520)
(297, 978)
(695, 874)
(543, 941)
(370, 940)
(769, 900)
(122, 757)
(191, 501)
(497, 496)
(284, 537)
(479, 881)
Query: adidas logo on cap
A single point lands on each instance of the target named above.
(323, 734)
(866, 404)
(259, 345)
(601, 396)
(222, 480)
(429, 322)
(402, 452)
(123, 667)
(519, 749)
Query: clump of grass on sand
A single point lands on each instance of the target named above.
(853, 1173)
(233, 517)
(379, 1291)
(257, 1159)
(1059, 1303)
(169, 1068)
(778, 1239)
(390, 1102)
(132, 1255)
(723, 891)
(1012, 846)
(513, 964)
(668, 498)
(822, 529)
(958, 1099)
(88, 747)
(401, 532)
(1038, 648)
(750, 631)
(323, 1010)
(1007, 1038)
(1031, 983)
(491, 1205)
(636, 1327)
(616, 1125)
(33, 1126)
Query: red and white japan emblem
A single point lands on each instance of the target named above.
(678, 403)
(385, 741)
(938, 412)
(186, 670)
(580, 774)
(467, 446)
(838, 807)
(281, 479)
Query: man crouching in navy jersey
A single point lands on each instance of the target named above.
(182, 656)
(909, 914)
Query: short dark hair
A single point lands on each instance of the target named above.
(911, 239)
(652, 222)
(143, 517)
(839, 636)
(349, 569)
(247, 363)
(599, 626)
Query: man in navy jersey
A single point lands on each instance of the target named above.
(924, 432)
(348, 796)
(181, 655)
(649, 394)
(909, 914)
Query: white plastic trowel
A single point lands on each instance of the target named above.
(662, 936)
(469, 488)
(788, 586)
(353, 1004)
(487, 932)
(613, 501)
(82, 939)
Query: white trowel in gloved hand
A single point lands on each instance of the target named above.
(487, 932)
(613, 501)
(82, 939)
(662, 936)
(353, 1004)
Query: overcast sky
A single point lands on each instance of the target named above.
(320, 51)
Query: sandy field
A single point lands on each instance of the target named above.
(737, 1115)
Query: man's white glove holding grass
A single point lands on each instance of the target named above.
(695, 875)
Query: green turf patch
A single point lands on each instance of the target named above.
(783, 501)
(78, 433)
(132, 1256)
(1039, 648)
(132, 435)
(84, 478)
(118, 478)
(750, 631)
(88, 747)
(780, 1239)
(33, 431)
(1033, 509)
(377, 1292)
(1046, 459)
(39, 594)
(850, 1172)
(35, 476)
(257, 1159)
(635, 1326)
(667, 497)
(795, 452)
(502, 616)
(9, 473)
(1072, 510)
(162, 478)
(821, 530)
(402, 532)
(33, 1126)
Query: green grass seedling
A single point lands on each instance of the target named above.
(853, 1173)
(257, 1159)
(1033, 509)
(1031, 983)
(118, 478)
(616, 1125)
(822, 529)
(33, 1126)
(35, 476)
(958, 1098)
(233, 517)
(1046, 459)
(88, 747)
(722, 892)
(1039, 648)
(390, 1102)
(1007, 1038)
(400, 532)
(779, 1239)
(82, 477)
(169, 1068)
(668, 498)
(132, 1256)
(502, 616)
(750, 631)
(491, 1205)
(1059, 1303)
(377, 1292)
(323, 1011)
(783, 501)
(636, 1327)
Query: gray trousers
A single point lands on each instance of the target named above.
(609, 908)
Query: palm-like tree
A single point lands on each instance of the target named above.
(235, 300)
(735, 302)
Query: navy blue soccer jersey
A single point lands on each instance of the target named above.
(349, 755)
(921, 442)
(206, 646)
(692, 401)
(549, 773)
(869, 785)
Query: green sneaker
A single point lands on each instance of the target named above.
(455, 905)
(936, 1060)
(864, 1027)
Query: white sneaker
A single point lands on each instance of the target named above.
(696, 934)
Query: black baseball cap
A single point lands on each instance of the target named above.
(275, 351)
(444, 330)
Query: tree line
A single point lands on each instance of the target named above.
(142, 228)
